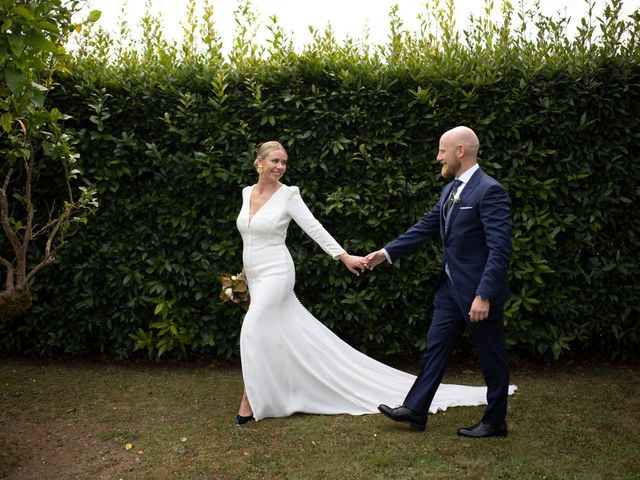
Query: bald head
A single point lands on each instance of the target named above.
(458, 151)
(466, 137)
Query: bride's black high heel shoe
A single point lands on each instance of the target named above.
(241, 420)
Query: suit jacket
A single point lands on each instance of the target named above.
(476, 242)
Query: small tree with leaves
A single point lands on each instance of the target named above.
(34, 146)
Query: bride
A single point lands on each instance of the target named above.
(290, 361)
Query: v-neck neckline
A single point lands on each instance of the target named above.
(264, 204)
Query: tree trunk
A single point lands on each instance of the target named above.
(14, 303)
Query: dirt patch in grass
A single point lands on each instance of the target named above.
(60, 449)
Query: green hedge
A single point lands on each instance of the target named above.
(169, 148)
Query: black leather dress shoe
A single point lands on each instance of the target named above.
(482, 429)
(416, 421)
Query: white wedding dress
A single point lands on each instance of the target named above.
(291, 362)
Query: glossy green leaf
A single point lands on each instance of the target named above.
(5, 121)
(49, 26)
(16, 43)
(15, 80)
(94, 16)
(23, 12)
(39, 41)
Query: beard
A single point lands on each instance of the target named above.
(451, 168)
(446, 172)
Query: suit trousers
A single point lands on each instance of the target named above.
(447, 326)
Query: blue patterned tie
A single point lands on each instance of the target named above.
(454, 188)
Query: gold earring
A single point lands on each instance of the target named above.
(259, 169)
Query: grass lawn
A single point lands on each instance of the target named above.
(75, 418)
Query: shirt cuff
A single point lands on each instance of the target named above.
(386, 254)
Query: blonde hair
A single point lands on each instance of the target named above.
(266, 147)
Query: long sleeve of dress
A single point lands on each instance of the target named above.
(300, 213)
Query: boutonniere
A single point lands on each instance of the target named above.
(456, 198)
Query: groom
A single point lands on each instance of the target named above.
(473, 219)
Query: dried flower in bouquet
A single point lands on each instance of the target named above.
(234, 289)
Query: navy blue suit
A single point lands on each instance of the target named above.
(477, 250)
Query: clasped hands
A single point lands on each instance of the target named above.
(357, 264)
(479, 308)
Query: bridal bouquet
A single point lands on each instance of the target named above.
(234, 289)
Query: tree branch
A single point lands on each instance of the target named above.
(22, 260)
(46, 261)
(67, 183)
(4, 216)
(8, 265)
(48, 251)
